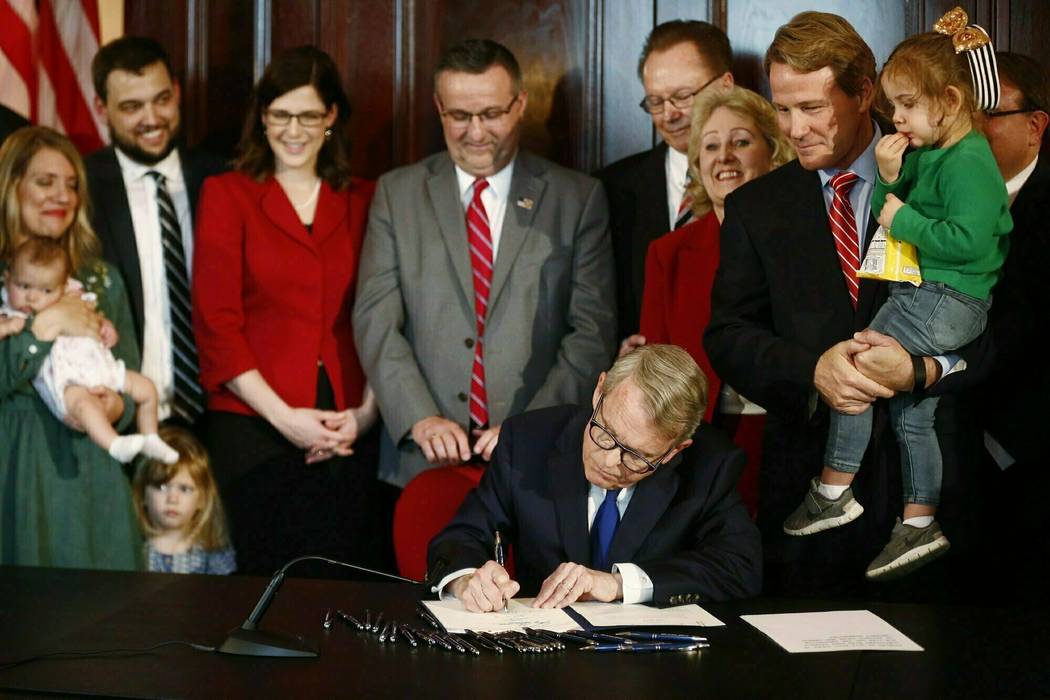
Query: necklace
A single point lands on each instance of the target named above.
(310, 200)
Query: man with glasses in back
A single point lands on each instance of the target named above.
(485, 282)
(646, 510)
(647, 190)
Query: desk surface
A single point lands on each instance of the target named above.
(970, 652)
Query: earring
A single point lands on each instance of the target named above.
(327, 134)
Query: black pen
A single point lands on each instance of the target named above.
(384, 632)
(349, 619)
(660, 637)
(368, 620)
(378, 623)
(640, 648)
(406, 632)
(499, 560)
(485, 642)
(572, 637)
(327, 619)
(451, 639)
(470, 647)
(431, 619)
(393, 633)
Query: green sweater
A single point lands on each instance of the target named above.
(956, 213)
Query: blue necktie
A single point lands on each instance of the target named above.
(606, 520)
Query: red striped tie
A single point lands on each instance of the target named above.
(844, 229)
(685, 207)
(480, 239)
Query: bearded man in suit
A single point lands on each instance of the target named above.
(485, 284)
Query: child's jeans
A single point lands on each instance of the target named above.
(931, 319)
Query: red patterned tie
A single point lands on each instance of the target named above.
(480, 239)
(685, 207)
(844, 229)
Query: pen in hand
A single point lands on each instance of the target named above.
(499, 560)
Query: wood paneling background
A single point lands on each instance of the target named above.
(579, 58)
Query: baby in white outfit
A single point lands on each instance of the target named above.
(38, 277)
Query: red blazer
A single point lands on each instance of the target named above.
(271, 296)
(676, 306)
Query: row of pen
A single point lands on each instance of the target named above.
(529, 641)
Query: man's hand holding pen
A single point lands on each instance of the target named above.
(571, 582)
(485, 590)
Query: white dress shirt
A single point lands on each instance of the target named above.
(637, 586)
(494, 197)
(157, 363)
(676, 169)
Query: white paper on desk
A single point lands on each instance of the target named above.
(519, 615)
(838, 630)
(620, 615)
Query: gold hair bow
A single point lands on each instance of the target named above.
(964, 38)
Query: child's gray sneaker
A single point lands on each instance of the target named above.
(817, 513)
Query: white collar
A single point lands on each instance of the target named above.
(498, 183)
(1014, 184)
(169, 166)
(678, 166)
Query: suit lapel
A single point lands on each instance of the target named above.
(569, 488)
(193, 178)
(443, 192)
(113, 199)
(651, 497)
(331, 210)
(278, 209)
(526, 186)
(652, 215)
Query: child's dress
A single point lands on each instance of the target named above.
(194, 561)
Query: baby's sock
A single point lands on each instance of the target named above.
(830, 491)
(125, 447)
(155, 448)
(919, 521)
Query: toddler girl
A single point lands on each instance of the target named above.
(948, 199)
(180, 512)
(38, 277)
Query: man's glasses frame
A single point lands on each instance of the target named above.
(605, 440)
(491, 115)
(651, 104)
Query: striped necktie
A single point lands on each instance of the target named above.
(479, 237)
(188, 402)
(685, 207)
(844, 229)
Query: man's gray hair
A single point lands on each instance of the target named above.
(674, 388)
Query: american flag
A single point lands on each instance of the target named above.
(46, 47)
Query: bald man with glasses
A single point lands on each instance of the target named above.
(624, 499)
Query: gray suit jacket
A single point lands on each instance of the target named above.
(551, 327)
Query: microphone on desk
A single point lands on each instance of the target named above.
(249, 640)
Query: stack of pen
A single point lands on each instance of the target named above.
(528, 641)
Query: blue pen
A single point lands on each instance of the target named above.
(638, 648)
(660, 637)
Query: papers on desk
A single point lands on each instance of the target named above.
(840, 630)
(620, 615)
(520, 615)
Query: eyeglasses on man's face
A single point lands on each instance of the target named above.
(307, 120)
(683, 99)
(629, 458)
(491, 115)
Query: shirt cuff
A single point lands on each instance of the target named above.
(950, 364)
(637, 586)
(440, 588)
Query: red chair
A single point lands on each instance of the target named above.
(426, 505)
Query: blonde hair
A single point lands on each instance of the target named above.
(674, 388)
(929, 63)
(812, 40)
(18, 150)
(744, 103)
(207, 528)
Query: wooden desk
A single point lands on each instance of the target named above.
(970, 652)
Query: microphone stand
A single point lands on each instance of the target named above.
(249, 640)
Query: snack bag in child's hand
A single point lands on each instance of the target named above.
(891, 260)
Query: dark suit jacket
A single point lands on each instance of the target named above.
(1015, 395)
(685, 526)
(111, 214)
(679, 271)
(271, 296)
(779, 301)
(637, 191)
(10, 121)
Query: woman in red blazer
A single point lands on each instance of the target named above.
(734, 138)
(275, 266)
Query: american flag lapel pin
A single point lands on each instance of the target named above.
(525, 203)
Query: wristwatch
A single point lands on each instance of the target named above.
(919, 364)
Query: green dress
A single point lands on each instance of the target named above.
(63, 500)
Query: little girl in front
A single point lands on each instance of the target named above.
(38, 277)
(948, 200)
(180, 512)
